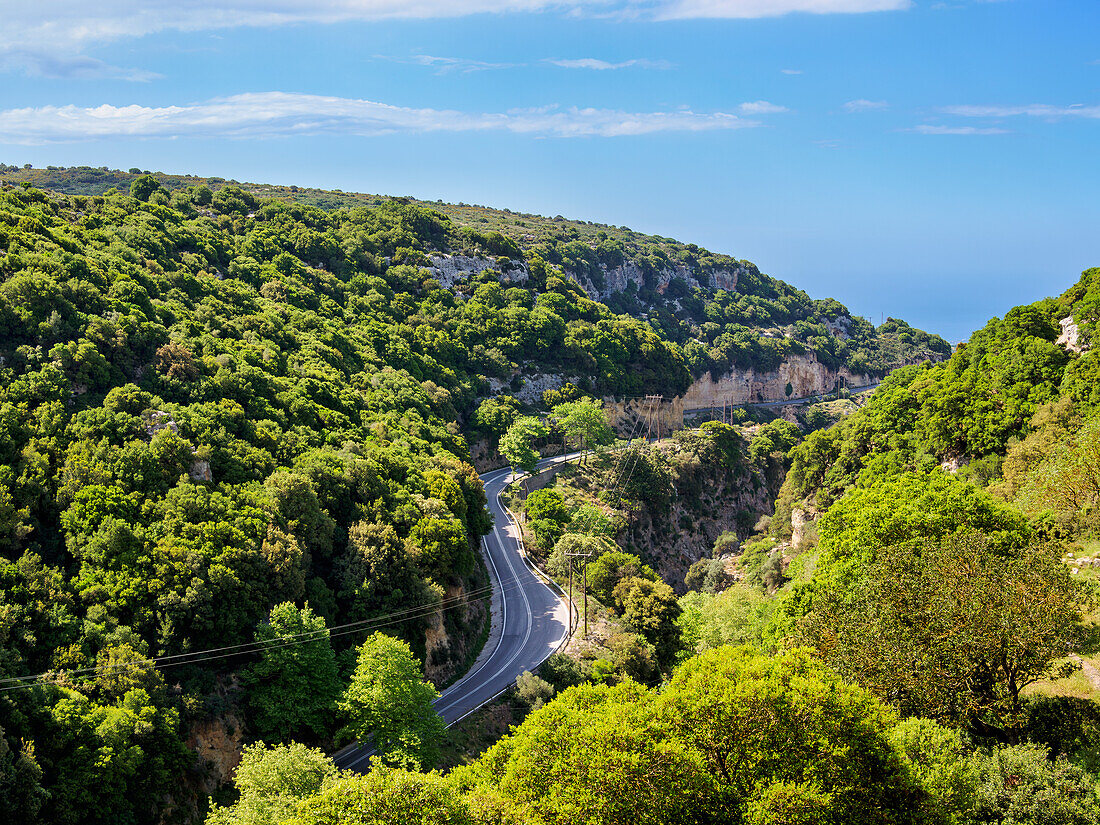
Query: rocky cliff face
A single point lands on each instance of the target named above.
(617, 278)
(449, 269)
(1071, 335)
(452, 634)
(804, 373)
(672, 540)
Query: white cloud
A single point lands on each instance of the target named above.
(930, 129)
(761, 107)
(603, 65)
(65, 27)
(445, 65)
(863, 105)
(689, 9)
(281, 114)
(791, 71)
(1043, 110)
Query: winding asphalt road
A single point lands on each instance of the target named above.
(529, 622)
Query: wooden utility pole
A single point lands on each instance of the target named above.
(652, 403)
(570, 599)
(585, 556)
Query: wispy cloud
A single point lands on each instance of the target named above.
(282, 114)
(791, 71)
(66, 27)
(68, 67)
(1043, 110)
(863, 105)
(761, 107)
(603, 65)
(931, 129)
(689, 9)
(446, 65)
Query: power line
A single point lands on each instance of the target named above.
(617, 471)
(245, 648)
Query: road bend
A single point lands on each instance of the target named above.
(529, 621)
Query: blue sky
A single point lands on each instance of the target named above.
(937, 161)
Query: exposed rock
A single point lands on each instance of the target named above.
(800, 520)
(200, 471)
(450, 269)
(617, 278)
(638, 416)
(839, 327)
(952, 463)
(1071, 335)
(437, 647)
(218, 743)
(451, 632)
(806, 375)
(534, 386)
(663, 539)
(483, 457)
(158, 420)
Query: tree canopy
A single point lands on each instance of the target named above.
(389, 703)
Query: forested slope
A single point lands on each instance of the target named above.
(1015, 377)
(721, 312)
(212, 405)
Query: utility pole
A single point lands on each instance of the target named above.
(585, 556)
(570, 599)
(652, 402)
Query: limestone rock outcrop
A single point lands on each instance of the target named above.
(804, 373)
(450, 269)
(1071, 335)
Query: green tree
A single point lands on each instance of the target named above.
(595, 754)
(293, 688)
(708, 621)
(586, 421)
(144, 186)
(944, 763)
(1022, 784)
(532, 690)
(605, 573)
(272, 782)
(734, 737)
(385, 796)
(21, 791)
(1064, 477)
(760, 721)
(558, 564)
(389, 703)
(495, 415)
(547, 504)
(952, 630)
(650, 608)
(912, 506)
(516, 447)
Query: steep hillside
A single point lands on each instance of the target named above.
(1031, 371)
(725, 317)
(214, 405)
